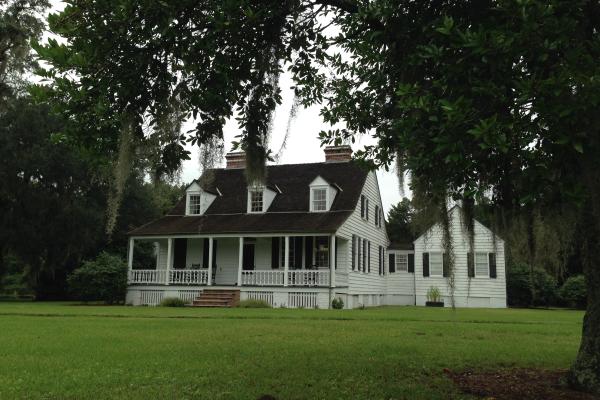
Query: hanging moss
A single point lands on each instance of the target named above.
(121, 173)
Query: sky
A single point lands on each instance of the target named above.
(303, 144)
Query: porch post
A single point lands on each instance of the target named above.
(332, 261)
(169, 259)
(286, 262)
(130, 259)
(240, 261)
(210, 261)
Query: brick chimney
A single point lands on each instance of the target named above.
(338, 153)
(236, 160)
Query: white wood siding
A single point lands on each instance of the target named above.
(400, 284)
(362, 282)
(469, 292)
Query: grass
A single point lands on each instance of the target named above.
(66, 351)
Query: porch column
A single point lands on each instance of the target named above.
(286, 262)
(130, 259)
(210, 261)
(240, 261)
(169, 259)
(332, 261)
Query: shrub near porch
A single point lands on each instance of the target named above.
(68, 351)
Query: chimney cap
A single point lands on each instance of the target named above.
(235, 160)
(341, 153)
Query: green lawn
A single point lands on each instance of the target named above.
(59, 350)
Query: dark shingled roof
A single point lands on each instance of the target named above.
(288, 213)
(401, 246)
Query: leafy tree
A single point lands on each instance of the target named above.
(399, 222)
(20, 22)
(479, 100)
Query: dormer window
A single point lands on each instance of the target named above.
(319, 199)
(322, 194)
(256, 200)
(194, 204)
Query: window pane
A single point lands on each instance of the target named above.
(435, 264)
(481, 265)
(319, 199)
(256, 201)
(402, 262)
(194, 204)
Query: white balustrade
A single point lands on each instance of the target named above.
(308, 277)
(147, 276)
(262, 278)
(188, 276)
(176, 276)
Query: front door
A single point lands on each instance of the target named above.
(248, 258)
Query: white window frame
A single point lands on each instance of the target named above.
(401, 266)
(189, 203)
(441, 264)
(487, 263)
(251, 191)
(312, 198)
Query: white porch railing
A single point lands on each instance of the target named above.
(262, 278)
(188, 276)
(176, 276)
(147, 276)
(308, 278)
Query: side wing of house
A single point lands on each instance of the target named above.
(362, 252)
(481, 285)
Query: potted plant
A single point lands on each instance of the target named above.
(434, 297)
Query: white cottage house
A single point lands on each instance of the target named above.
(310, 233)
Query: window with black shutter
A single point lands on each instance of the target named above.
(493, 273)
(353, 252)
(411, 263)
(425, 264)
(470, 265)
(362, 206)
(392, 263)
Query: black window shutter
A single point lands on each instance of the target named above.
(297, 252)
(369, 256)
(445, 265)
(362, 206)
(308, 247)
(492, 265)
(411, 263)
(380, 257)
(274, 252)
(376, 213)
(214, 263)
(470, 265)
(205, 253)
(392, 266)
(425, 264)
(353, 252)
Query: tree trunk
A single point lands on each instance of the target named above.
(585, 372)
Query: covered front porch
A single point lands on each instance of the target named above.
(275, 260)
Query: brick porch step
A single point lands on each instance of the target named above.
(217, 298)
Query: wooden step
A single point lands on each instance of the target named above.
(217, 298)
